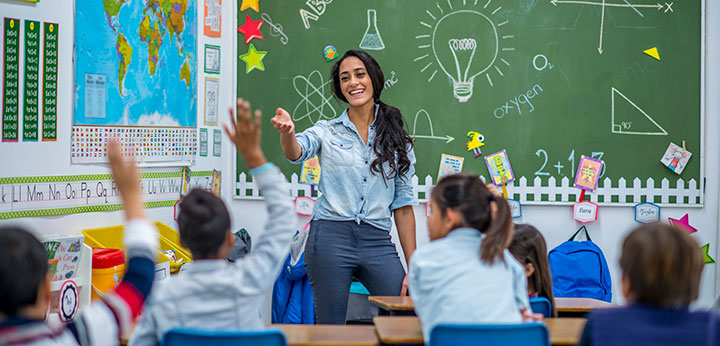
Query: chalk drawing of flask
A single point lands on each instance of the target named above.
(372, 40)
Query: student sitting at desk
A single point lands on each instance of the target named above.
(528, 246)
(661, 269)
(25, 283)
(465, 274)
(213, 293)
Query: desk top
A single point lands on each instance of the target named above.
(407, 330)
(395, 303)
(323, 334)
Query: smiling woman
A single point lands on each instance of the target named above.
(368, 161)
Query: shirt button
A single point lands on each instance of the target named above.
(362, 198)
(364, 179)
(366, 162)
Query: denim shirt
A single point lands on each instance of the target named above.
(449, 283)
(350, 191)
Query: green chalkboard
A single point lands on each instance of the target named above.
(548, 81)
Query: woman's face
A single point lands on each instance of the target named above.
(355, 82)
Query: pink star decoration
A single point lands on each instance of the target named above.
(683, 223)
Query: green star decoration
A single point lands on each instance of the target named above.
(253, 59)
(706, 254)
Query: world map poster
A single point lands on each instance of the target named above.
(135, 79)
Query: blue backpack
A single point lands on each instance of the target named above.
(579, 269)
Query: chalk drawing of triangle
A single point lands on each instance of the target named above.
(623, 123)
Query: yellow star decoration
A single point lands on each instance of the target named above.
(253, 59)
(706, 254)
(250, 4)
(588, 173)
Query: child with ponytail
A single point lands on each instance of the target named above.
(529, 248)
(465, 275)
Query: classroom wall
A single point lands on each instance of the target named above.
(47, 158)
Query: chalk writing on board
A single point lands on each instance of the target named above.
(465, 44)
(431, 135)
(276, 29)
(391, 81)
(604, 5)
(317, 8)
(522, 99)
(315, 102)
(371, 39)
(540, 62)
(543, 154)
(631, 123)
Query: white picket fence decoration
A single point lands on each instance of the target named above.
(532, 194)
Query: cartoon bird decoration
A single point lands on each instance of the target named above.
(475, 142)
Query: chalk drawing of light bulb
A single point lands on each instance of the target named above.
(371, 39)
(465, 44)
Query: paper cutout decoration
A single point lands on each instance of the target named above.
(186, 173)
(310, 173)
(449, 165)
(250, 4)
(515, 208)
(585, 211)
(676, 158)
(588, 173)
(304, 206)
(475, 141)
(68, 301)
(706, 254)
(498, 165)
(251, 29)
(253, 59)
(653, 52)
(684, 223)
(216, 182)
(330, 53)
(647, 212)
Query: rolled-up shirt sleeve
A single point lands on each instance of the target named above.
(404, 194)
(309, 141)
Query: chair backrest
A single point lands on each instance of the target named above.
(184, 337)
(541, 305)
(525, 334)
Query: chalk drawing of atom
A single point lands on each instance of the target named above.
(316, 95)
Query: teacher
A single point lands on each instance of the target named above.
(367, 162)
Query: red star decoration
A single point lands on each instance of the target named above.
(251, 29)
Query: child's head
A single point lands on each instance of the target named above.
(24, 279)
(661, 266)
(204, 225)
(463, 200)
(528, 246)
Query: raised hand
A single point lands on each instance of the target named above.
(127, 179)
(283, 122)
(245, 134)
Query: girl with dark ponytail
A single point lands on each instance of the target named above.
(367, 163)
(529, 248)
(465, 275)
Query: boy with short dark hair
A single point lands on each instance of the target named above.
(662, 267)
(25, 282)
(212, 293)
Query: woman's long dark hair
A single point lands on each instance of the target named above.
(528, 246)
(391, 139)
(468, 195)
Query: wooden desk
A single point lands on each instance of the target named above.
(407, 330)
(323, 334)
(565, 306)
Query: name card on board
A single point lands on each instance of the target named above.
(585, 211)
(647, 212)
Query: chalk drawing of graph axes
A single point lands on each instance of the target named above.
(613, 126)
(447, 139)
(658, 6)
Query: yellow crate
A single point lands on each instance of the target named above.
(112, 238)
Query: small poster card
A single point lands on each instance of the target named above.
(213, 17)
(498, 165)
(515, 208)
(63, 255)
(217, 142)
(186, 173)
(304, 206)
(588, 173)
(216, 180)
(676, 158)
(211, 100)
(310, 173)
(212, 59)
(203, 142)
(449, 165)
(68, 301)
(647, 213)
(585, 211)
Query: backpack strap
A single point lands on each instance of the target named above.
(587, 235)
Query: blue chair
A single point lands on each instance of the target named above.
(541, 305)
(521, 334)
(187, 337)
